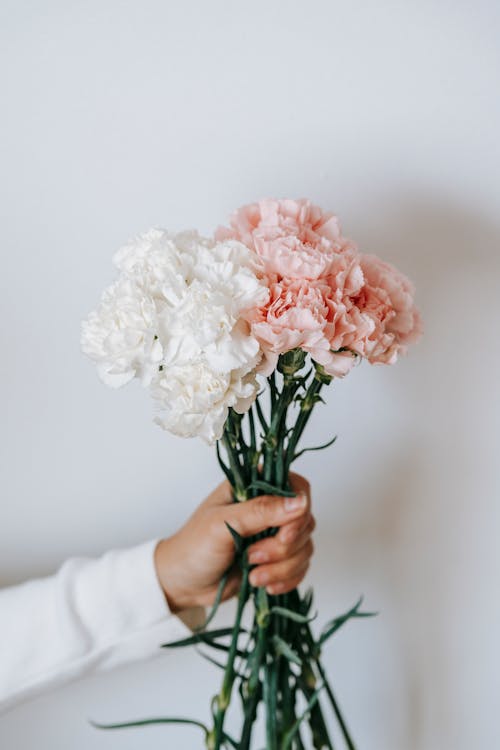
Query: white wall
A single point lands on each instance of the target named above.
(121, 115)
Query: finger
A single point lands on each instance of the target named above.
(232, 585)
(272, 551)
(272, 573)
(263, 512)
(274, 548)
(289, 532)
(221, 495)
(286, 586)
(299, 483)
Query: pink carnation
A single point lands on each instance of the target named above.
(296, 316)
(387, 299)
(325, 297)
(294, 238)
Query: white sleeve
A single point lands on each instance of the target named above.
(90, 616)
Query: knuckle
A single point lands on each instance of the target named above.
(216, 526)
(304, 483)
(261, 508)
(286, 533)
(285, 550)
(283, 546)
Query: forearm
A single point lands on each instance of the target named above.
(90, 616)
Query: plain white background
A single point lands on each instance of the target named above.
(119, 115)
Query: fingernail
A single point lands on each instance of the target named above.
(274, 589)
(256, 556)
(294, 503)
(259, 579)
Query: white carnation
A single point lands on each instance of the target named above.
(160, 262)
(195, 400)
(176, 319)
(120, 336)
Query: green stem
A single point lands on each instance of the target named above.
(216, 737)
(254, 454)
(317, 723)
(274, 439)
(250, 706)
(235, 465)
(272, 389)
(253, 692)
(306, 408)
(313, 656)
(270, 700)
(286, 696)
(266, 675)
(335, 706)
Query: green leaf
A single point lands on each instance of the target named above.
(307, 601)
(216, 663)
(217, 601)
(209, 658)
(237, 538)
(283, 649)
(224, 647)
(271, 489)
(291, 615)
(261, 416)
(229, 740)
(288, 738)
(205, 637)
(315, 448)
(225, 469)
(332, 626)
(146, 722)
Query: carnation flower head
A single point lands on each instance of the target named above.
(193, 399)
(120, 335)
(325, 297)
(176, 319)
(299, 315)
(386, 298)
(294, 238)
(311, 270)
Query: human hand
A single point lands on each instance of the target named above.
(191, 563)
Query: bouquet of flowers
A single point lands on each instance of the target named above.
(235, 336)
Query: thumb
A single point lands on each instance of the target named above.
(260, 513)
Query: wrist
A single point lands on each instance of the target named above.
(166, 560)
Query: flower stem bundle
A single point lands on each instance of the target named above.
(235, 337)
(278, 662)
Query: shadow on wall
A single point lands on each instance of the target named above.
(409, 541)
